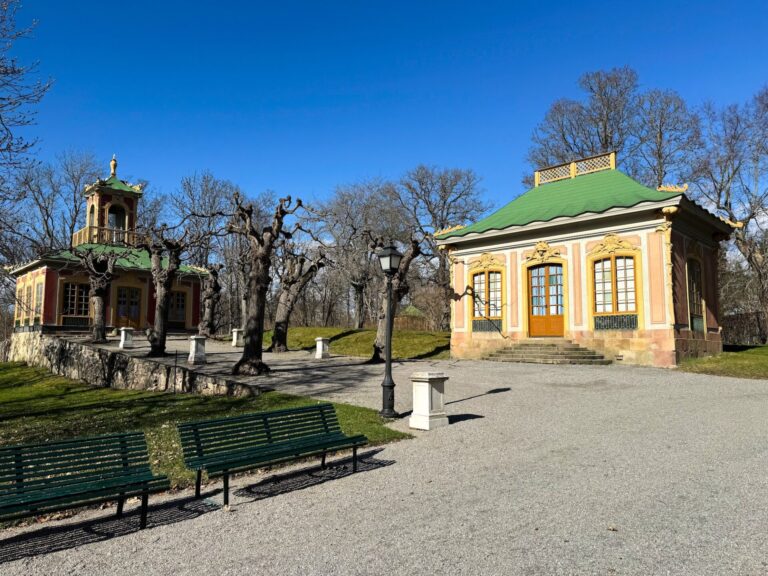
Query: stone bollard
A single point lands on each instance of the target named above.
(428, 408)
(321, 348)
(196, 350)
(237, 337)
(126, 338)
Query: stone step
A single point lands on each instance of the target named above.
(588, 361)
(546, 356)
(545, 348)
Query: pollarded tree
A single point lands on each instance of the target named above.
(296, 268)
(262, 241)
(165, 253)
(211, 297)
(100, 267)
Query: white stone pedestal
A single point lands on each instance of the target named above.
(126, 338)
(237, 337)
(428, 406)
(196, 350)
(321, 348)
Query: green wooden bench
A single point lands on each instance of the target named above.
(41, 478)
(253, 440)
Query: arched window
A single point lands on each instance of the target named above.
(695, 296)
(92, 216)
(614, 283)
(486, 300)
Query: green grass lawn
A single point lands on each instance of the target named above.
(36, 406)
(348, 342)
(748, 363)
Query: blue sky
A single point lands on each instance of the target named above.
(298, 97)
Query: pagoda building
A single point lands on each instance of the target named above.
(52, 292)
(591, 256)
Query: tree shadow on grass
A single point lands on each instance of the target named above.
(331, 339)
(66, 536)
(431, 353)
(300, 479)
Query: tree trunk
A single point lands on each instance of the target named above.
(285, 304)
(444, 281)
(258, 285)
(99, 331)
(211, 295)
(163, 281)
(359, 290)
(159, 332)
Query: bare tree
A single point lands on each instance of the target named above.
(100, 267)
(19, 92)
(604, 122)
(347, 220)
(211, 297)
(165, 252)
(203, 201)
(400, 289)
(262, 242)
(51, 207)
(731, 177)
(296, 268)
(435, 199)
(668, 135)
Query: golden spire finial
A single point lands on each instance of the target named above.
(113, 165)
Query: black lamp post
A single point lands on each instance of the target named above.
(389, 258)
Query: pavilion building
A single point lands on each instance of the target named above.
(52, 292)
(592, 256)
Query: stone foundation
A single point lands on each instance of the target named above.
(663, 348)
(113, 369)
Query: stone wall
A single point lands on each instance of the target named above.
(114, 369)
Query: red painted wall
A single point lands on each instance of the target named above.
(50, 302)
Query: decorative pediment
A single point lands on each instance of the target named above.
(612, 244)
(542, 252)
(487, 261)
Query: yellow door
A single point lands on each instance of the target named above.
(545, 300)
(128, 307)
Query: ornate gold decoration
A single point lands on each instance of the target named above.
(611, 244)
(447, 230)
(733, 224)
(669, 211)
(672, 188)
(113, 166)
(542, 252)
(486, 261)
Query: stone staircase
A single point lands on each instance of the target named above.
(548, 351)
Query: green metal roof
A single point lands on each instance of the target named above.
(112, 183)
(131, 258)
(591, 193)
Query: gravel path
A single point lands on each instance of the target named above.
(558, 470)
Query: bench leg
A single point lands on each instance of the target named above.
(198, 483)
(144, 503)
(354, 459)
(322, 462)
(120, 502)
(226, 488)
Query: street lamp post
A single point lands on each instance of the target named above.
(389, 258)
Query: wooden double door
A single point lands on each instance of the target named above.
(128, 307)
(545, 300)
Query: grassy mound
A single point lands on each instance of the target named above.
(348, 342)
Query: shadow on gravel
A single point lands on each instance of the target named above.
(65, 536)
(301, 479)
(456, 418)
